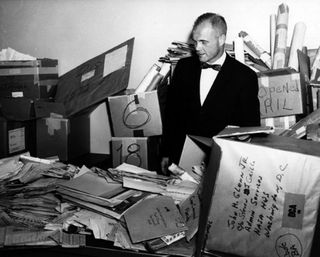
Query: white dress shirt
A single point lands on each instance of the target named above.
(207, 78)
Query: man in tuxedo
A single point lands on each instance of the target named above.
(202, 100)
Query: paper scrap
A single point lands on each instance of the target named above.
(115, 60)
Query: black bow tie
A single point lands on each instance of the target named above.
(216, 67)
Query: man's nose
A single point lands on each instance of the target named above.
(197, 46)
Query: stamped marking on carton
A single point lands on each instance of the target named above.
(293, 210)
(87, 75)
(288, 245)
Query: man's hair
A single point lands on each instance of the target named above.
(216, 20)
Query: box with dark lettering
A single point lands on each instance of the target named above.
(262, 196)
(17, 137)
(282, 92)
(35, 79)
(139, 151)
(135, 115)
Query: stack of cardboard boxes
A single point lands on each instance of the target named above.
(60, 118)
(136, 129)
(22, 85)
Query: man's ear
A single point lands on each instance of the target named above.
(222, 39)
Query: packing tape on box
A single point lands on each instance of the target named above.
(28, 71)
(284, 122)
(132, 108)
(264, 81)
(53, 124)
(133, 101)
(87, 75)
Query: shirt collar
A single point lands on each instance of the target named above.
(221, 59)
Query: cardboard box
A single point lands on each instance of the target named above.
(67, 138)
(22, 109)
(19, 109)
(267, 197)
(31, 79)
(94, 80)
(136, 115)
(17, 137)
(139, 151)
(80, 89)
(281, 93)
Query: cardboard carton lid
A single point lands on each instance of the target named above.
(93, 81)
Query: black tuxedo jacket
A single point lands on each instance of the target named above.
(232, 100)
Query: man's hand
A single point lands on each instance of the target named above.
(164, 165)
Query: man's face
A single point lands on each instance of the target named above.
(209, 44)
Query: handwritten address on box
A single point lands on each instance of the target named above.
(265, 201)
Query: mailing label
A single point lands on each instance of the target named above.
(16, 140)
(87, 75)
(17, 94)
(115, 60)
(293, 210)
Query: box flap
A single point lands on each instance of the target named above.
(43, 109)
(93, 81)
(194, 152)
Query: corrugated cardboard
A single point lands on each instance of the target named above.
(94, 80)
(281, 93)
(139, 151)
(19, 109)
(17, 137)
(135, 115)
(67, 138)
(31, 79)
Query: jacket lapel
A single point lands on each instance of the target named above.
(220, 82)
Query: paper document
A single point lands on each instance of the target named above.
(115, 60)
(154, 217)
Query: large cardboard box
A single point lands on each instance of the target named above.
(135, 115)
(78, 90)
(19, 109)
(17, 137)
(94, 80)
(67, 138)
(260, 199)
(139, 151)
(31, 79)
(281, 93)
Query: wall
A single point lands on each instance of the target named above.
(74, 31)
